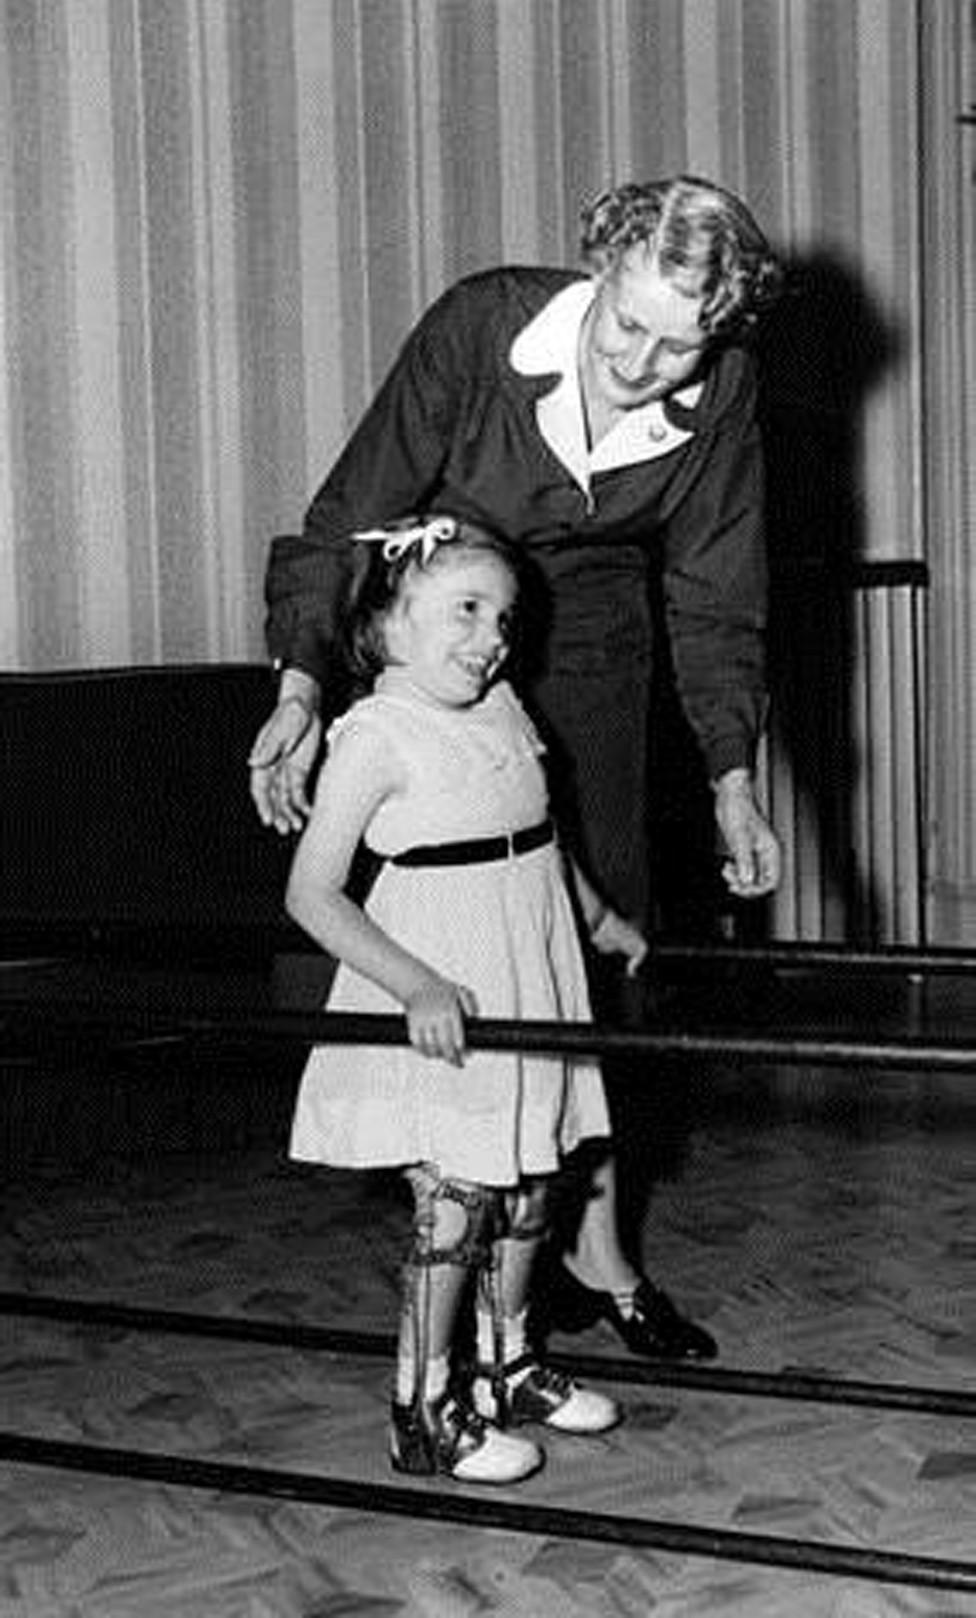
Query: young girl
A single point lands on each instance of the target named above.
(439, 771)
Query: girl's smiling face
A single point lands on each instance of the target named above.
(450, 628)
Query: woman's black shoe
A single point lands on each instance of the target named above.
(655, 1329)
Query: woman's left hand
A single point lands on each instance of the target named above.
(754, 865)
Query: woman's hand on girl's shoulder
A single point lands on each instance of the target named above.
(280, 762)
(436, 1012)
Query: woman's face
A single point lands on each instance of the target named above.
(642, 338)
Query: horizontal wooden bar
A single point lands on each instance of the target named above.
(818, 1048)
(871, 573)
(892, 959)
(114, 942)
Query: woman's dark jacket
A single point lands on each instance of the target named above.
(453, 427)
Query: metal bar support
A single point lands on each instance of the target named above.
(900, 1052)
(794, 1386)
(521, 1516)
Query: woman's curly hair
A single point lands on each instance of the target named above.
(696, 232)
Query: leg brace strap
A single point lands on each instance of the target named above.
(524, 1212)
(434, 1224)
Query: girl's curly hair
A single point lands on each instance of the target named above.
(695, 231)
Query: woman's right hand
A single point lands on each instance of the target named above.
(280, 761)
(435, 1018)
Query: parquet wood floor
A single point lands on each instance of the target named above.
(820, 1222)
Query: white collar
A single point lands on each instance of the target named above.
(551, 339)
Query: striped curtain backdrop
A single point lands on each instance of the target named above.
(218, 218)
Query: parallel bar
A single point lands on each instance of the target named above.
(184, 1323)
(789, 1385)
(887, 573)
(48, 943)
(519, 1517)
(793, 1386)
(807, 957)
(565, 1038)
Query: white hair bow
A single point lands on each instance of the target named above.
(425, 537)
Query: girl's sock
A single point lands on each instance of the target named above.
(436, 1375)
(513, 1340)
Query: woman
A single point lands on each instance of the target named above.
(606, 424)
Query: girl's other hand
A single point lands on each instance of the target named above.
(615, 935)
(435, 1019)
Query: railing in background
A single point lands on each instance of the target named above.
(844, 770)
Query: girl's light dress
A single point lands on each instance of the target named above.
(505, 929)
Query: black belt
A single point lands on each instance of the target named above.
(477, 849)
